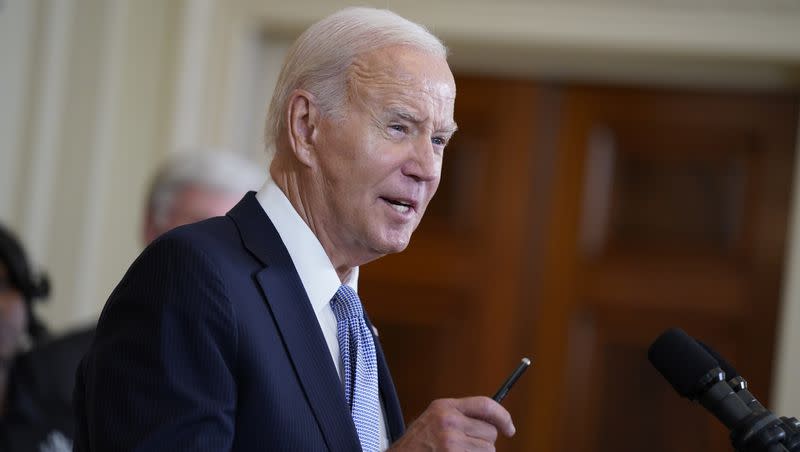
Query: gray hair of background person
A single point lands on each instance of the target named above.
(220, 171)
(319, 59)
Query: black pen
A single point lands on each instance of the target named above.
(501, 393)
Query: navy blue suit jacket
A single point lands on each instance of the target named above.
(209, 343)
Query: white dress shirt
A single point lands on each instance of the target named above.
(314, 268)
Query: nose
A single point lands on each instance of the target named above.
(423, 164)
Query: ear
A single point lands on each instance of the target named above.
(149, 230)
(302, 119)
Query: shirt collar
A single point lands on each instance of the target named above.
(310, 260)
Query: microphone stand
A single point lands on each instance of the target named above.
(792, 427)
(762, 431)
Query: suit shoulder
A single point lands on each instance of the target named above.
(202, 232)
(182, 273)
(197, 241)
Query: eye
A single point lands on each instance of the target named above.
(399, 128)
(439, 141)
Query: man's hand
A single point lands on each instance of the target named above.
(470, 424)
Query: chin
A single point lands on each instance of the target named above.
(390, 245)
(383, 249)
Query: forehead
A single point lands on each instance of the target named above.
(402, 77)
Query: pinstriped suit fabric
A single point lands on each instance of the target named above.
(209, 344)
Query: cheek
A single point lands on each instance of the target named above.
(13, 320)
(12, 309)
(370, 168)
(342, 163)
(433, 186)
(438, 179)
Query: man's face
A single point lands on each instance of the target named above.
(380, 164)
(13, 317)
(190, 205)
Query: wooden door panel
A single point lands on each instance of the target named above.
(670, 232)
(617, 400)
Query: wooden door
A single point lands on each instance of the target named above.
(670, 210)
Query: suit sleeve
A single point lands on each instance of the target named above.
(159, 376)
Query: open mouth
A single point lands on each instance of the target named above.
(399, 205)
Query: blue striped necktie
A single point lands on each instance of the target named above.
(357, 349)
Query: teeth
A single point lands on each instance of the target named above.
(400, 208)
(396, 205)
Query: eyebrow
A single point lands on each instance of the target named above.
(407, 116)
(449, 129)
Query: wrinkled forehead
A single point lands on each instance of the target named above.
(403, 75)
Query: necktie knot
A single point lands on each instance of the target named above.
(346, 304)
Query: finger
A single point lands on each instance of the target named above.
(488, 410)
(477, 444)
(456, 440)
(479, 429)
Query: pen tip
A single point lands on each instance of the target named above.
(526, 361)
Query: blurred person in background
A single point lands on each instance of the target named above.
(20, 328)
(189, 186)
(194, 185)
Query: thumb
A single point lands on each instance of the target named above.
(487, 410)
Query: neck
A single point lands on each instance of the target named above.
(299, 193)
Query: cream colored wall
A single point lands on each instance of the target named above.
(96, 92)
(787, 356)
(90, 85)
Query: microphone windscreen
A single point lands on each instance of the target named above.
(730, 371)
(681, 361)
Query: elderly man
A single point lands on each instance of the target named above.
(246, 332)
(194, 185)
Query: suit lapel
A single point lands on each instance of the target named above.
(305, 344)
(391, 403)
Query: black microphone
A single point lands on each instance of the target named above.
(697, 375)
(790, 425)
(735, 381)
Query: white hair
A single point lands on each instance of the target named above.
(218, 171)
(319, 59)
